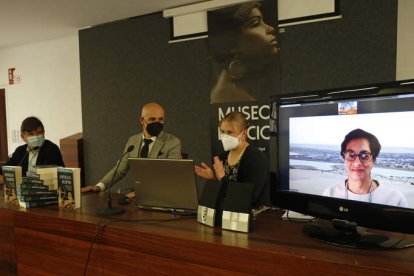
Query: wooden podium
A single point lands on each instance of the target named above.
(53, 241)
(71, 148)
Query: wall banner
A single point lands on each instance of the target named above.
(244, 51)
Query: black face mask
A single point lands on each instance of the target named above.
(154, 129)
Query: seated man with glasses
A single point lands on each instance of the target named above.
(360, 150)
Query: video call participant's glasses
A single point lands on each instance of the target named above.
(363, 156)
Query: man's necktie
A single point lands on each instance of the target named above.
(144, 150)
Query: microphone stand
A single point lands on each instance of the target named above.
(113, 210)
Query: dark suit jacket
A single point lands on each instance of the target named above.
(49, 154)
(165, 146)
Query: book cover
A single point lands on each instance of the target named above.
(69, 187)
(12, 178)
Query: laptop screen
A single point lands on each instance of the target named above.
(164, 184)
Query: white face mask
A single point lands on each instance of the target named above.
(229, 142)
(35, 141)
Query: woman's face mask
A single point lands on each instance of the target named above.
(229, 142)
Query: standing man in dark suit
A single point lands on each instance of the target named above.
(152, 142)
(37, 150)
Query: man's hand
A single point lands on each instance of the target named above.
(90, 189)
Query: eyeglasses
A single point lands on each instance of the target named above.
(363, 156)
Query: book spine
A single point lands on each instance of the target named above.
(32, 175)
(29, 180)
(38, 198)
(37, 203)
(34, 192)
(25, 186)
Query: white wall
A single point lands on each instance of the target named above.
(49, 87)
(405, 40)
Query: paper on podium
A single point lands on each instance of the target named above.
(296, 216)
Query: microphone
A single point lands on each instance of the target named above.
(109, 210)
(25, 155)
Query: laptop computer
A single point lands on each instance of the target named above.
(164, 184)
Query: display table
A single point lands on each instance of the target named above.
(50, 241)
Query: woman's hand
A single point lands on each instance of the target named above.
(204, 171)
(218, 168)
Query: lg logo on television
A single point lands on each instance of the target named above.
(343, 209)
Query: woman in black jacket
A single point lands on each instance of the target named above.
(241, 162)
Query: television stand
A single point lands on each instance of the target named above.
(348, 234)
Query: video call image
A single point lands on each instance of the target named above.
(315, 162)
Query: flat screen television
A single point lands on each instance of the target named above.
(316, 171)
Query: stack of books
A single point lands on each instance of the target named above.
(33, 192)
(47, 173)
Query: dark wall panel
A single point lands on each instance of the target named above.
(128, 63)
(360, 48)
